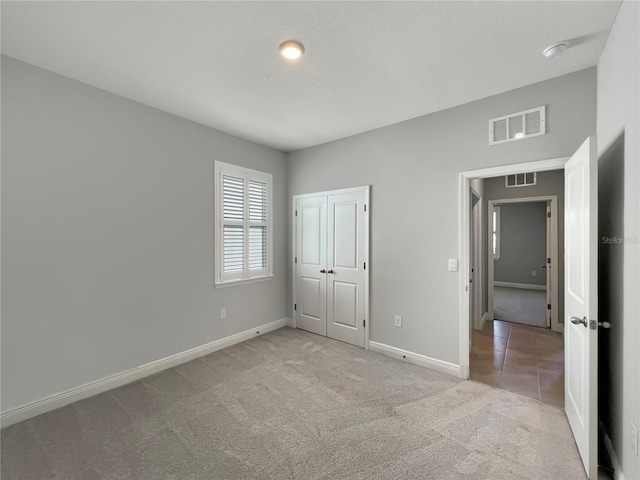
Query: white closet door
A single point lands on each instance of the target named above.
(311, 250)
(346, 255)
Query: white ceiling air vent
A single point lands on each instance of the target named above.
(515, 126)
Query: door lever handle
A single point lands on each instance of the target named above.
(578, 321)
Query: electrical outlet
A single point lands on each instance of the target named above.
(634, 438)
(223, 313)
(397, 321)
(533, 273)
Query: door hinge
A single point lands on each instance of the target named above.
(365, 207)
(296, 213)
(548, 260)
(548, 216)
(365, 265)
(364, 323)
(295, 306)
(548, 306)
(295, 260)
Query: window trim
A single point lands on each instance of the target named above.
(239, 278)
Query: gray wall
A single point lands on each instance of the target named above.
(107, 235)
(619, 220)
(413, 168)
(548, 183)
(523, 243)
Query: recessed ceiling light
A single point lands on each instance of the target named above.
(555, 50)
(291, 50)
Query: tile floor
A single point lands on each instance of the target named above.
(521, 359)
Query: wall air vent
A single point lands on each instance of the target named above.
(516, 126)
(520, 179)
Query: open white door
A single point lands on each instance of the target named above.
(581, 302)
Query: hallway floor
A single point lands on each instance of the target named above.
(521, 359)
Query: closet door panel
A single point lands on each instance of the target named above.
(346, 254)
(311, 253)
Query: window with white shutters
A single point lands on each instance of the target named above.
(243, 224)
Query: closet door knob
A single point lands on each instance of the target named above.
(330, 270)
(323, 271)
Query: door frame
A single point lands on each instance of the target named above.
(476, 272)
(553, 254)
(464, 184)
(294, 238)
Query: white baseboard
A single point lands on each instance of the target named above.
(526, 286)
(615, 463)
(417, 359)
(52, 402)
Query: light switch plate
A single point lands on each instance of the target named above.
(453, 264)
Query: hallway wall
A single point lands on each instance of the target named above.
(523, 243)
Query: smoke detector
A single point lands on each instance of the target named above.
(555, 50)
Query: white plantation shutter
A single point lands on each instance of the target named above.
(233, 195)
(233, 219)
(257, 248)
(257, 225)
(233, 248)
(243, 224)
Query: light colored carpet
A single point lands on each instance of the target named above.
(519, 305)
(293, 405)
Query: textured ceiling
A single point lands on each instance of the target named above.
(367, 64)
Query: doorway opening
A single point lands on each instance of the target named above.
(524, 265)
(579, 312)
(518, 347)
(514, 313)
